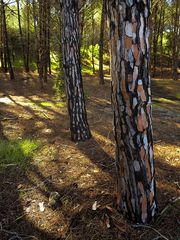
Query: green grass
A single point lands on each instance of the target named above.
(17, 152)
(164, 100)
(46, 104)
(51, 104)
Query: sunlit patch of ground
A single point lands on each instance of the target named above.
(82, 173)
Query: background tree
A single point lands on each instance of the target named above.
(101, 44)
(72, 70)
(6, 42)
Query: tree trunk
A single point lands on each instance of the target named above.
(1, 39)
(93, 33)
(6, 42)
(161, 38)
(72, 70)
(49, 35)
(28, 34)
(35, 20)
(175, 42)
(101, 45)
(21, 34)
(131, 96)
(40, 44)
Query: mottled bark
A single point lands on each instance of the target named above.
(72, 70)
(131, 97)
(101, 45)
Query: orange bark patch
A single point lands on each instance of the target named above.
(128, 42)
(141, 188)
(144, 208)
(136, 54)
(141, 93)
(144, 119)
(140, 123)
(151, 198)
(134, 27)
(148, 169)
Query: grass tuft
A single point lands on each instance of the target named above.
(17, 152)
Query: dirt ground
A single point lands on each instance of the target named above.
(82, 173)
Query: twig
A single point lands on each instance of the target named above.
(156, 238)
(149, 227)
(8, 118)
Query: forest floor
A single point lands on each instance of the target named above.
(38, 158)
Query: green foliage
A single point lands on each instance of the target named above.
(59, 85)
(17, 152)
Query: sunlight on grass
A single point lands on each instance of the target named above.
(17, 152)
(168, 153)
(46, 104)
(164, 100)
(50, 104)
(60, 104)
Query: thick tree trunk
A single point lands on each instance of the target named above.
(72, 70)
(101, 45)
(131, 96)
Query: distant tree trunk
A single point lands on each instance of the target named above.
(41, 43)
(35, 21)
(21, 34)
(161, 38)
(49, 35)
(44, 41)
(1, 39)
(157, 27)
(175, 42)
(45, 47)
(101, 45)
(6, 43)
(28, 34)
(72, 70)
(131, 96)
(93, 33)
